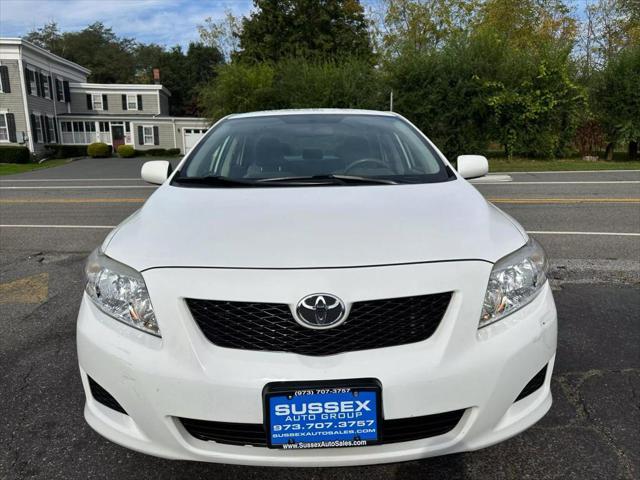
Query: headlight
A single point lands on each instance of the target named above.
(514, 281)
(120, 292)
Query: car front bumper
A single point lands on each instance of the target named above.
(183, 375)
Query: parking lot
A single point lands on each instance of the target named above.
(589, 222)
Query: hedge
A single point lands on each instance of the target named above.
(99, 150)
(158, 152)
(126, 151)
(65, 151)
(14, 154)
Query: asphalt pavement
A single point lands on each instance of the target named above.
(589, 222)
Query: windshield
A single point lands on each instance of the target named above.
(282, 149)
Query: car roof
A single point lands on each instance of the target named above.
(313, 111)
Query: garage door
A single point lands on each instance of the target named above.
(191, 136)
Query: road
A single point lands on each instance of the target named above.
(589, 222)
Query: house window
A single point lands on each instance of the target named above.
(132, 102)
(4, 129)
(59, 90)
(67, 132)
(96, 101)
(33, 84)
(45, 87)
(38, 126)
(51, 128)
(104, 126)
(147, 135)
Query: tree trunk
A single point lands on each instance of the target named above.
(608, 153)
(633, 150)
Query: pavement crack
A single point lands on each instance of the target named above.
(574, 397)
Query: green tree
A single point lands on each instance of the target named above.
(441, 91)
(309, 28)
(113, 59)
(292, 83)
(182, 73)
(109, 57)
(535, 108)
(239, 87)
(416, 25)
(616, 98)
(223, 34)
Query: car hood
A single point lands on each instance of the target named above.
(313, 227)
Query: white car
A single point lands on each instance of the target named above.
(315, 288)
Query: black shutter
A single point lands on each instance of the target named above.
(139, 102)
(45, 130)
(38, 78)
(156, 136)
(55, 129)
(26, 80)
(34, 131)
(140, 135)
(124, 102)
(11, 125)
(4, 79)
(89, 102)
(50, 89)
(105, 102)
(58, 92)
(67, 93)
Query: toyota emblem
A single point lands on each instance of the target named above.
(320, 311)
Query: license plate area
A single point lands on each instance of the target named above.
(323, 414)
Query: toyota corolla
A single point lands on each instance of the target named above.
(315, 288)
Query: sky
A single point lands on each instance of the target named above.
(166, 22)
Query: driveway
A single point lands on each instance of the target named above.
(589, 222)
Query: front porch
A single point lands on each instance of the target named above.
(83, 132)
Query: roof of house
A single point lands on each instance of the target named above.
(24, 43)
(119, 86)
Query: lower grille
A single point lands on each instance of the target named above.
(105, 398)
(392, 431)
(534, 384)
(272, 327)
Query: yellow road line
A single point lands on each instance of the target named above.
(70, 200)
(549, 201)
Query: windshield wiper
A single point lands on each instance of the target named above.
(333, 178)
(214, 181)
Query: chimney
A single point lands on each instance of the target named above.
(156, 76)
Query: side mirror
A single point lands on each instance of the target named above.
(472, 166)
(156, 171)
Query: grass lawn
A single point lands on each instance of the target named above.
(11, 168)
(565, 164)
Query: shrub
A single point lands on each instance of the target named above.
(173, 151)
(99, 150)
(65, 151)
(156, 152)
(126, 151)
(14, 154)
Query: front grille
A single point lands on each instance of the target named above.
(271, 326)
(105, 398)
(534, 384)
(392, 431)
